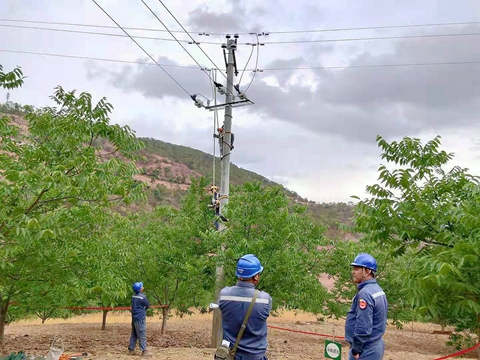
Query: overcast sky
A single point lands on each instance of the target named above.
(311, 130)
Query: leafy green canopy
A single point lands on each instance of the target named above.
(429, 214)
(56, 186)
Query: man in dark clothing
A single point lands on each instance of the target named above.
(367, 319)
(139, 325)
(215, 203)
(234, 302)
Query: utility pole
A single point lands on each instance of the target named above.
(217, 332)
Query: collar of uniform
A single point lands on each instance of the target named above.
(363, 283)
(245, 284)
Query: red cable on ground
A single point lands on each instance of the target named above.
(307, 332)
(458, 353)
(113, 308)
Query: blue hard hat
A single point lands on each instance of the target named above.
(248, 266)
(365, 260)
(137, 286)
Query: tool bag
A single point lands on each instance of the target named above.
(223, 352)
(56, 349)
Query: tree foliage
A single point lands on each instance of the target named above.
(56, 185)
(421, 210)
(285, 239)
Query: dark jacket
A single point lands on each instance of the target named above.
(367, 319)
(234, 303)
(139, 306)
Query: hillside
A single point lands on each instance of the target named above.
(168, 169)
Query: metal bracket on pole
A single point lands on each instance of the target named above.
(232, 104)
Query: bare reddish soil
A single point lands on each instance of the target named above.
(189, 338)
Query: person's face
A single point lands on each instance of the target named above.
(358, 274)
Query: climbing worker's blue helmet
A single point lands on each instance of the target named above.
(365, 260)
(248, 266)
(137, 286)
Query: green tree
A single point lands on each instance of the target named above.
(55, 187)
(263, 221)
(423, 210)
(173, 251)
(12, 79)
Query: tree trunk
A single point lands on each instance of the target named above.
(104, 318)
(3, 318)
(478, 334)
(165, 312)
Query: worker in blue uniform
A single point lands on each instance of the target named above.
(234, 302)
(367, 319)
(139, 326)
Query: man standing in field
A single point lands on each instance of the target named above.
(367, 319)
(234, 302)
(139, 320)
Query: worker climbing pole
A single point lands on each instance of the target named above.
(225, 141)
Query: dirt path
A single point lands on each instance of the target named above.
(188, 338)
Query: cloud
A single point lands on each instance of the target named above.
(392, 101)
(153, 82)
(240, 18)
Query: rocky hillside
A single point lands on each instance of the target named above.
(168, 169)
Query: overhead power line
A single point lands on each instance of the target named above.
(265, 43)
(104, 34)
(376, 27)
(96, 59)
(256, 66)
(195, 42)
(246, 33)
(183, 47)
(371, 38)
(150, 56)
(256, 70)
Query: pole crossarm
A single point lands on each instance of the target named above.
(232, 104)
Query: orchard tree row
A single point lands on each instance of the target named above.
(69, 237)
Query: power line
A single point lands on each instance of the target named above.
(255, 70)
(150, 56)
(183, 47)
(97, 59)
(208, 57)
(371, 38)
(265, 43)
(246, 64)
(374, 66)
(247, 33)
(103, 34)
(375, 27)
(256, 66)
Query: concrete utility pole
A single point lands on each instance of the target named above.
(224, 182)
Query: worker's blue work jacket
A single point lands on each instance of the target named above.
(234, 302)
(367, 318)
(139, 306)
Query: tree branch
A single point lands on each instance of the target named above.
(36, 201)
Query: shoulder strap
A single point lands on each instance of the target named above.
(244, 325)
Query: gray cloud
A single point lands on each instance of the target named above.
(356, 104)
(239, 18)
(152, 82)
(392, 101)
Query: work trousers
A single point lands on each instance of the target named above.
(139, 332)
(372, 351)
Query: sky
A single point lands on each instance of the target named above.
(312, 130)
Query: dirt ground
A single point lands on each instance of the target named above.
(188, 338)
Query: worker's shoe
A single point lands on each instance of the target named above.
(131, 352)
(146, 353)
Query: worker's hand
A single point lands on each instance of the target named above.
(356, 356)
(217, 202)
